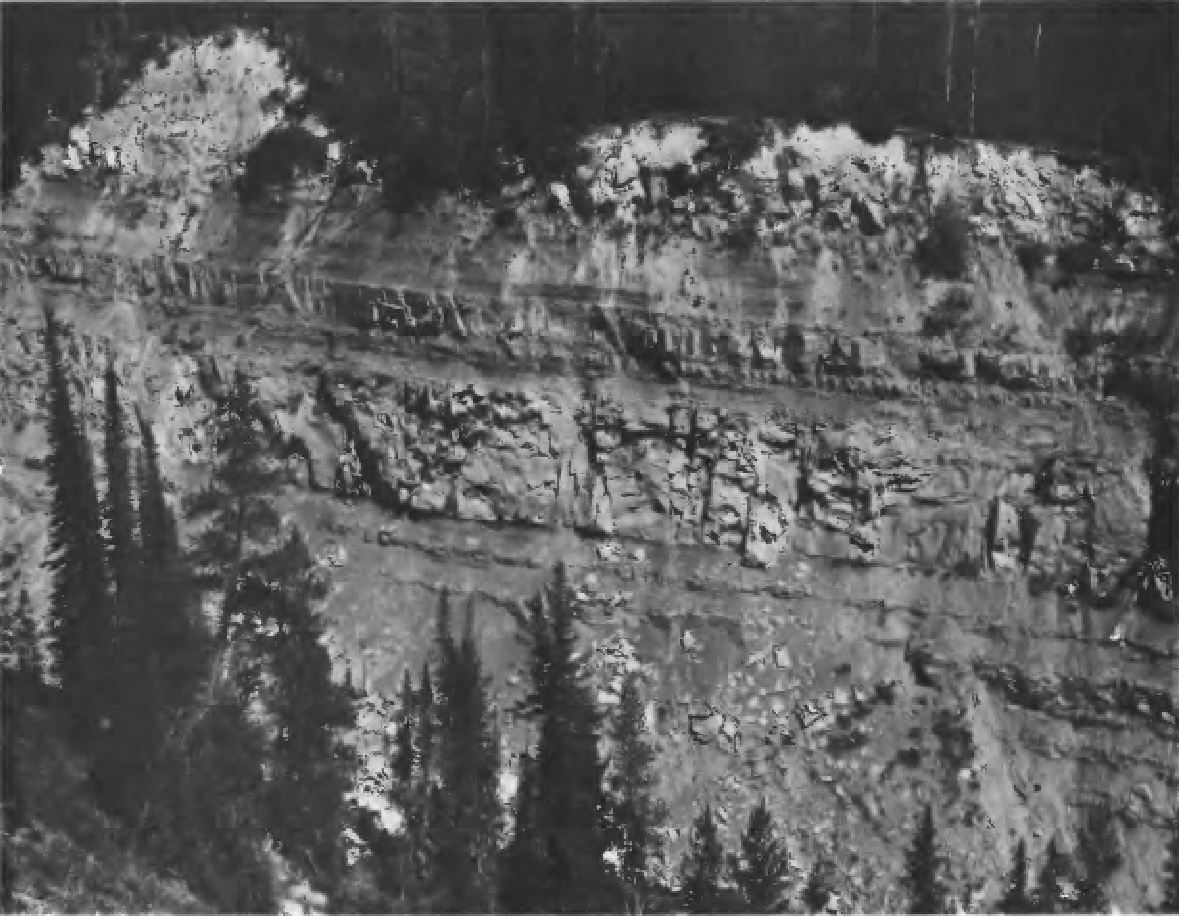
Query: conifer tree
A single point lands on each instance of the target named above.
(635, 813)
(465, 823)
(179, 749)
(19, 648)
(1050, 895)
(522, 882)
(1100, 854)
(704, 866)
(268, 651)
(210, 823)
(435, 667)
(139, 717)
(763, 864)
(82, 620)
(307, 709)
(818, 890)
(1016, 898)
(569, 823)
(238, 501)
(120, 516)
(310, 763)
(922, 876)
(403, 748)
(426, 730)
(397, 870)
(168, 596)
(445, 647)
(157, 527)
(1170, 901)
(422, 796)
(21, 688)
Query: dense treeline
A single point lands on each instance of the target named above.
(218, 743)
(430, 93)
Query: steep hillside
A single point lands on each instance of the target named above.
(864, 520)
(62, 857)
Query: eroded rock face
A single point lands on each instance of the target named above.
(857, 558)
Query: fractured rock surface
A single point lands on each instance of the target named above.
(862, 534)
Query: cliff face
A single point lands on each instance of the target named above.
(863, 529)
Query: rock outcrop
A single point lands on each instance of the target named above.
(868, 538)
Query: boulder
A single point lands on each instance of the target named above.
(704, 727)
(870, 215)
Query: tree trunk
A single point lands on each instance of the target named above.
(599, 53)
(234, 572)
(485, 79)
(1036, 71)
(974, 57)
(949, 50)
(874, 47)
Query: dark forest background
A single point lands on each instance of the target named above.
(434, 92)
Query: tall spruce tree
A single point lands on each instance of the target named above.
(523, 882)
(161, 644)
(426, 725)
(922, 878)
(82, 618)
(168, 599)
(422, 797)
(311, 767)
(123, 549)
(210, 823)
(237, 503)
(1099, 854)
(138, 717)
(1170, 901)
(397, 869)
(1051, 894)
(403, 748)
(466, 819)
(1016, 898)
(763, 864)
(268, 652)
(704, 867)
(157, 527)
(569, 821)
(635, 814)
(20, 652)
(21, 689)
(208, 745)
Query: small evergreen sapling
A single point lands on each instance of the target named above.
(704, 866)
(922, 878)
(1016, 898)
(635, 814)
(763, 864)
